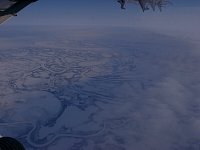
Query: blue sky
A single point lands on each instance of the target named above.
(99, 12)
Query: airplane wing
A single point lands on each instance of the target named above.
(9, 8)
(4, 18)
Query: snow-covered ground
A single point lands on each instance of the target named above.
(99, 89)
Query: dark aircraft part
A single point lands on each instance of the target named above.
(15, 8)
(122, 3)
(7, 143)
(146, 4)
(12, 0)
(142, 5)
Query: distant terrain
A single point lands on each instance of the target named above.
(99, 89)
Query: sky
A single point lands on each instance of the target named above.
(100, 12)
(179, 18)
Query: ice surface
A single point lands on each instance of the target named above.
(94, 89)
